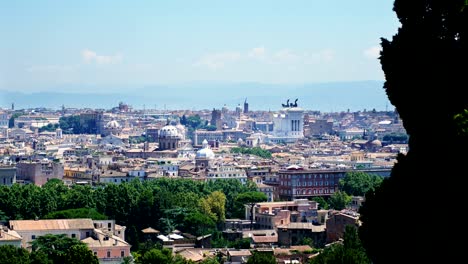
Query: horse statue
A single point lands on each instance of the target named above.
(295, 103)
(286, 105)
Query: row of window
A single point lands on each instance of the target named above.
(308, 191)
(228, 169)
(226, 175)
(310, 183)
(122, 254)
(305, 176)
(7, 180)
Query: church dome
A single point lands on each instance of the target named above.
(205, 152)
(169, 131)
(113, 124)
(376, 143)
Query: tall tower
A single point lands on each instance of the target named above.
(246, 106)
(216, 118)
(12, 106)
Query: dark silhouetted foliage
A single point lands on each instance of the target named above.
(76, 213)
(425, 66)
(350, 251)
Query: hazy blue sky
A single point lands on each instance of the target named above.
(105, 44)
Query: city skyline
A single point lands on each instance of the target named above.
(324, 97)
(113, 46)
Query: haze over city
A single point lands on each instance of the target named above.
(178, 54)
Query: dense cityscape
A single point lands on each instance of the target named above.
(221, 181)
(232, 132)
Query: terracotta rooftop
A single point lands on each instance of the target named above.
(310, 226)
(9, 235)
(150, 230)
(192, 254)
(265, 239)
(239, 253)
(52, 224)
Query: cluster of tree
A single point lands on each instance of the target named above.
(50, 127)
(257, 151)
(395, 138)
(165, 204)
(76, 213)
(425, 66)
(259, 257)
(155, 253)
(355, 183)
(358, 183)
(350, 251)
(11, 121)
(73, 125)
(220, 242)
(195, 122)
(49, 249)
(139, 139)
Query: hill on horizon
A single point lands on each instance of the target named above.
(324, 97)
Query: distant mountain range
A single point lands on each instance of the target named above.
(325, 97)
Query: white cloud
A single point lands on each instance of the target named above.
(372, 52)
(285, 55)
(322, 56)
(258, 53)
(90, 56)
(326, 55)
(218, 60)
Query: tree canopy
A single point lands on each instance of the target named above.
(59, 249)
(76, 213)
(358, 183)
(424, 65)
(350, 251)
(257, 151)
(13, 255)
(165, 204)
(339, 200)
(261, 258)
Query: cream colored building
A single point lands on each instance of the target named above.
(103, 237)
(29, 230)
(288, 125)
(223, 172)
(9, 237)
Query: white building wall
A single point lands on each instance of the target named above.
(4, 118)
(29, 236)
(227, 172)
(288, 125)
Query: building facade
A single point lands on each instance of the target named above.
(296, 182)
(39, 172)
(224, 172)
(7, 175)
(288, 125)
